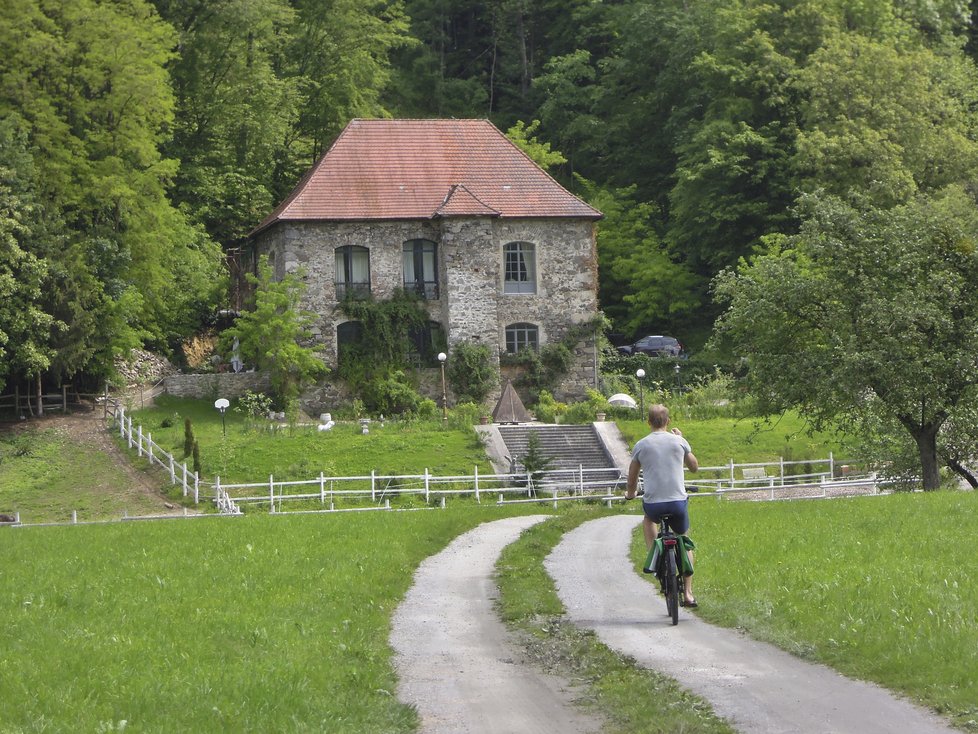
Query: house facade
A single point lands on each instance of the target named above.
(498, 251)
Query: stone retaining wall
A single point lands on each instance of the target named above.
(228, 385)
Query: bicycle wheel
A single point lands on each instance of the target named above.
(672, 587)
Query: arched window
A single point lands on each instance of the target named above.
(420, 261)
(352, 272)
(519, 268)
(522, 336)
(349, 335)
(426, 342)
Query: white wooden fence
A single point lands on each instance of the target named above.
(145, 446)
(773, 480)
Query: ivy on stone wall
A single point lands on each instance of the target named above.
(544, 369)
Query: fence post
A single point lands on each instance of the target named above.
(74, 517)
(196, 488)
(426, 487)
(105, 403)
(373, 489)
(831, 465)
(582, 478)
(322, 489)
(732, 477)
(139, 445)
(476, 482)
(781, 460)
(271, 493)
(185, 479)
(149, 447)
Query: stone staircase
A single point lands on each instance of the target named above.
(567, 446)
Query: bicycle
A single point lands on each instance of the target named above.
(665, 562)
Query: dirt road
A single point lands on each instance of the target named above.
(459, 668)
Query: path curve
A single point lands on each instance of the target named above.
(755, 686)
(453, 656)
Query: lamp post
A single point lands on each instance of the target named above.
(679, 384)
(222, 405)
(640, 374)
(444, 392)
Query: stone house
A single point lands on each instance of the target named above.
(500, 253)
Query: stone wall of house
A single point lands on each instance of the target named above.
(472, 305)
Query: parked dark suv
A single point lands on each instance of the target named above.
(654, 346)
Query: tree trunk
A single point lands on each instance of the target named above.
(969, 476)
(926, 438)
(40, 396)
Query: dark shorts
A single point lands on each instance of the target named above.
(679, 509)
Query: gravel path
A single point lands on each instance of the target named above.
(755, 686)
(454, 657)
(457, 665)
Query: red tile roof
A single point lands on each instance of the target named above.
(420, 169)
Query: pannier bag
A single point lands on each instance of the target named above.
(653, 560)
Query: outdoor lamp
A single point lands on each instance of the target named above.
(444, 392)
(222, 405)
(640, 374)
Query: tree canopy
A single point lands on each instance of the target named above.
(144, 139)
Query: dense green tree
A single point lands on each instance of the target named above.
(865, 310)
(271, 332)
(886, 119)
(90, 82)
(235, 111)
(25, 327)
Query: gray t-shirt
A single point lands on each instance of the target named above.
(661, 455)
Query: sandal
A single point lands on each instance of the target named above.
(690, 604)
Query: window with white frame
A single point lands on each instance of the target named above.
(420, 261)
(519, 267)
(352, 272)
(522, 336)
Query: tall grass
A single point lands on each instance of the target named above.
(211, 625)
(880, 588)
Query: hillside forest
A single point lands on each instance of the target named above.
(726, 141)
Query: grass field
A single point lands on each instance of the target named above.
(249, 455)
(280, 623)
(211, 625)
(880, 588)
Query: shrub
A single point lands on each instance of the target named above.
(188, 438)
(390, 395)
(471, 372)
(465, 415)
(547, 409)
(587, 410)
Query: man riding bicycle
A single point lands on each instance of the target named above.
(660, 457)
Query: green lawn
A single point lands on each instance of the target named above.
(252, 624)
(880, 588)
(46, 476)
(246, 454)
